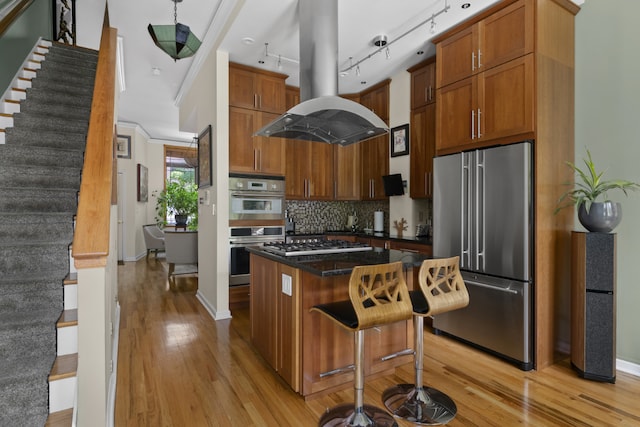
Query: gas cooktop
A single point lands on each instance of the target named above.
(315, 247)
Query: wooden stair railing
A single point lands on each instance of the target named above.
(13, 14)
(91, 237)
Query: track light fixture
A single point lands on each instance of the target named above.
(175, 40)
(383, 43)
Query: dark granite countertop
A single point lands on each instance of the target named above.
(386, 236)
(343, 263)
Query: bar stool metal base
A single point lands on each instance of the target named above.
(420, 405)
(345, 416)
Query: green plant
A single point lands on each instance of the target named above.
(179, 197)
(591, 186)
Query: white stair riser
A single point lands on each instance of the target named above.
(1, 137)
(34, 65)
(18, 95)
(70, 297)
(28, 74)
(72, 266)
(6, 122)
(67, 340)
(62, 394)
(10, 107)
(23, 84)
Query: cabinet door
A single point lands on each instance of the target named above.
(377, 100)
(271, 154)
(455, 61)
(506, 35)
(423, 86)
(296, 169)
(423, 135)
(347, 171)
(386, 340)
(264, 307)
(242, 91)
(375, 164)
(270, 93)
(289, 328)
(507, 102)
(456, 114)
(320, 171)
(292, 97)
(242, 153)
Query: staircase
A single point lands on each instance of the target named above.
(43, 128)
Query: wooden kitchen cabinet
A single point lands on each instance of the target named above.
(523, 86)
(347, 170)
(309, 170)
(377, 99)
(422, 150)
(292, 97)
(256, 89)
(498, 38)
(249, 154)
(411, 247)
(288, 320)
(423, 83)
(496, 104)
(263, 308)
(375, 164)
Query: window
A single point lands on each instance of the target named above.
(179, 162)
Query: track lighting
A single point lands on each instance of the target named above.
(433, 25)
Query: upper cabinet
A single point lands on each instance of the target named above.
(377, 99)
(423, 84)
(500, 37)
(256, 89)
(486, 80)
(292, 97)
(375, 152)
(347, 167)
(309, 170)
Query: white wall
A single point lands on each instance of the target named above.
(607, 106)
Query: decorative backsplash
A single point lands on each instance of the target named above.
(317, 217)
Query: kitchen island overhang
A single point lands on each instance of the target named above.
(308, 351)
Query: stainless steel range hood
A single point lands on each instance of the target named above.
(323, 115)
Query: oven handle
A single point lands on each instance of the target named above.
(275, 195)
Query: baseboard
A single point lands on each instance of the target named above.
(111, 397)
(211, 309)
(628, 367)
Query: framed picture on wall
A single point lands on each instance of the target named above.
(64, 21)
(400, 141)
(123, 146)
(143, 183)
(204, 158)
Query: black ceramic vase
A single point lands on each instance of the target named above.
(602, 217)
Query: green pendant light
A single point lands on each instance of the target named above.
(176, 40)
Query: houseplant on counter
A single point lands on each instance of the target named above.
(179, 198)
(595, 211)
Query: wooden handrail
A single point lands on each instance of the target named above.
(91, 238)
(13, 14)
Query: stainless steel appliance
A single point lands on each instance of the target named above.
(242, 237)
(315, 246)
(253, 197)
(483, 213)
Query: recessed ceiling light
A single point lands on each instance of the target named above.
(344, 73)
(248, 40)
(155, 71)
(466, 5)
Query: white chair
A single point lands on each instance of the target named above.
(153, 238)
(181, 248)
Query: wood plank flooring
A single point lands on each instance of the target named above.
(178, 367)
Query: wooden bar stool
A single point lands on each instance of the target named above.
(441, 289)
(378, 295)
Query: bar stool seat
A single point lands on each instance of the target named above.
(378, 295)
(442, 289)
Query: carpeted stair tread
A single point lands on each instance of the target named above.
(27, 391)
(39, 177)
(72, 51)
(50, 123)
(58, 97)
(55, 109)
(83, 62)
(47, 200)
(13, 155)
(63, 71)
(46, 138)
(61, 87)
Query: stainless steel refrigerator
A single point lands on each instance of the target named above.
(482, 211)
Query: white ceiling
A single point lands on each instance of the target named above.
(150, 100)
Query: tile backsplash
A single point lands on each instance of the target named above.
(318, 217)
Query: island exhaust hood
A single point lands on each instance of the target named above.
(322, 115)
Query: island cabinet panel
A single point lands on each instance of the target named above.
(264, 308)
(289, 326)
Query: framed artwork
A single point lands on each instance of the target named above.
(204, 158)
(400, 141)
(64, 21)
(143, 183)
(123, 146)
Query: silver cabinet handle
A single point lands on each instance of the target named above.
(426, 94)
(479, 58)
(473, 61)
(426, 184)
(255, 100)
(473, 119)
(255, 159)
(479, 116)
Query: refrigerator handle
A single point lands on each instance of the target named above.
(465, 240)
(480, 211)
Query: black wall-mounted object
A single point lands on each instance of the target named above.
(593, 305)
(393, 185)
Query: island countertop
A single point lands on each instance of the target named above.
(343, 263)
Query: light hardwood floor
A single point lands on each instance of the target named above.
(178, 367)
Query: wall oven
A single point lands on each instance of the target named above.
(254, 197)
(242, 237)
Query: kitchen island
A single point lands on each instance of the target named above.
(308, 350)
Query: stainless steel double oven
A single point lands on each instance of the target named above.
(256, 216)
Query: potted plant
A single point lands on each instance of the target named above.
(590, 195)
(180, 198)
